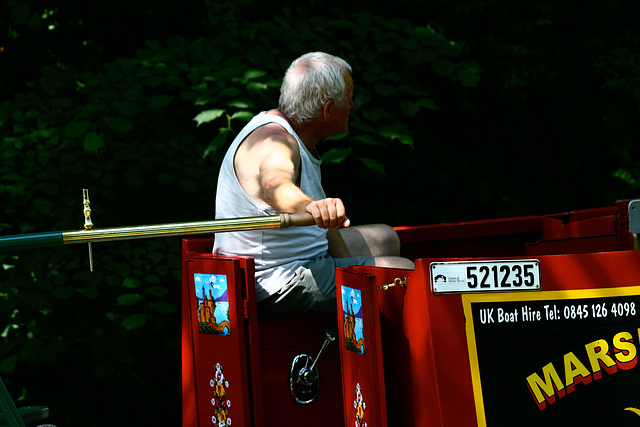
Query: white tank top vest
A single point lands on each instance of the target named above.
(278, 252)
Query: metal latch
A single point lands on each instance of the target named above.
(398, 281)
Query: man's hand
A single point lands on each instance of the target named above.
(328, 213)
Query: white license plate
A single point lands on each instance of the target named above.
(485, 276)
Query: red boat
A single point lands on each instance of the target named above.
(523, 321)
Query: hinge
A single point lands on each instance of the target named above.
(634, 221)
(245, 308)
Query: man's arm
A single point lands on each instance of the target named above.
(278, 170)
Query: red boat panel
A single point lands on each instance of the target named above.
(360, 350)
(580, 231)
(220, 359)
(428, 356)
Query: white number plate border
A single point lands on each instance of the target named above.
(485, 276)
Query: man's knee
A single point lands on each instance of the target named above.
(384, 239)
(371, 240)
(391, 240)
(394, 262)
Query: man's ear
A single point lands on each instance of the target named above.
(326, 109)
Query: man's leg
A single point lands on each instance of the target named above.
(377, 240)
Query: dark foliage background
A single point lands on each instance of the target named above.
(465, 110)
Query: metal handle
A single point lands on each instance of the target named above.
(309, 375)
(304, 379)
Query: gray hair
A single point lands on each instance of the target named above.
(310, 82)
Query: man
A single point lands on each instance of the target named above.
(272, 167)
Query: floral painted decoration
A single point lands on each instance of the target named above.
(359, 405)
(220, 402)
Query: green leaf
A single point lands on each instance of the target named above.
(92, 293)
(409, 108)
(443, 67)
(93, 142)
(43, 205)
(174, 81)
(229, 92)
(134, 321)
(254, 74)
(132, 181)
(337, 137)
(152, 278)
(75, 129)
(155, 45)
(118, 125)
(48, 188)
(131, 282)
(256, 86)
(112, 280)
(336, 155)
(63, 292)
(361, 127)
(158, 291)
(375, 114)
(9, 364)
(384, 89)
(163, 307)
(208, 116)
(166, 178)
(236, 103)
(469, 78)
(20, 13)
(625, 175)
(126, 108)
(450, 48)
(396, 131)
(427, 103)
(128, 299)
(369, 140)
(373, 164)
(242, 115)
(155, 257)
(188, 185)
(12, 176)
(218, 142)
(159, 101)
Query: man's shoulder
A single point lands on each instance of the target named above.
(270, 134)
